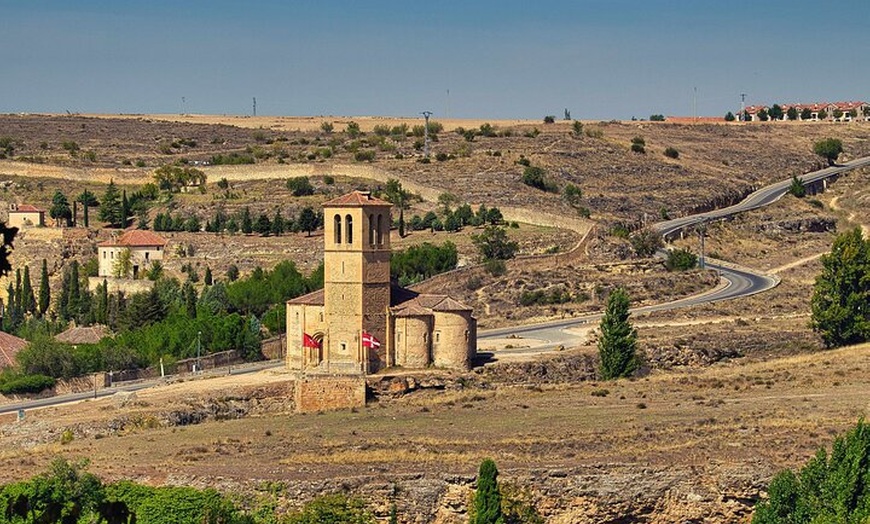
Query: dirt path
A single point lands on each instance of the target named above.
(851, 216)
(796, 263)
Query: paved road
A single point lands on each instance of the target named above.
(739, 282)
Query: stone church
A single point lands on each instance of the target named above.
(361, 322)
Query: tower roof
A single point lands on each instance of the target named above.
(356, 199)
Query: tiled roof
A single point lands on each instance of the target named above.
(356, 199)
(135, 238)
(315, 298)
(83, 335)
(10, 345)
(27, 208)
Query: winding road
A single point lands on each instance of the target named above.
(738, 281)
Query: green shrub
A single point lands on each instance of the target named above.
(550, 119)
(300, 186)
(672, 153)
(656, 118)
(534, 176)
(797, 187)
(22, 384)
(495, 267)
(681, 260)
(365, 155)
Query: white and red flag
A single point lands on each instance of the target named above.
(369, 341)
(309, 342)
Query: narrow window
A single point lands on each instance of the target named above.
(348, 225)
(398, 336)
(437, 337)
(343, 347)
(337, 229)
(380, 231)
(104, 255)
(466, 335)
(371, 230)
(321, 319)
(425, 337)
(146, 255)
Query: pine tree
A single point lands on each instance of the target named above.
(618, 341)
(207, 278)
(278, 224)
(28, 301)
(487, 499)
(247, 222)
(841, 292)
(60, 210)
(110, 208)
(44, 290)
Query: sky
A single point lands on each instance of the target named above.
(498, 59)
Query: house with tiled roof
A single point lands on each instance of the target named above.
(25, 215)
(83, 334)
(815, 111)
(361, 322)
(10, 345)
(130, 254)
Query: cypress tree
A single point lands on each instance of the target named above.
(102, 314)
(19, 308)
(401, 223)
(9, 314)
(618, 341)
(63, 299)
(75, 294)
(207, 278)
(189, 299)
(487, 500)
(125, 209)
(44, 290)
(28, 301)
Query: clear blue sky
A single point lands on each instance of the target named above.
(601, 59)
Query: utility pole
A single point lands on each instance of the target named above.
(198, 346)
(426, 115)
(255, 106)
(742, 106)
(183, 106)
(702, 232)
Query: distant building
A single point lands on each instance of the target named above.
(10, 345)
(25, 215)
(816, 111)
(361, 322)
(144, 249)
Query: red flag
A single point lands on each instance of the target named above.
(309, 342)
(369, 341)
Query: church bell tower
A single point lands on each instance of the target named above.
(356, 280)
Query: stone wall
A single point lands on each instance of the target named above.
(328, 393)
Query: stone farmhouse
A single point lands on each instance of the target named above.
(831, 111)
(10, 345)
(144, 249)
(361, 322)
(25, 215)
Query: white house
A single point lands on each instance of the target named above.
(144, 248)
(26, 215)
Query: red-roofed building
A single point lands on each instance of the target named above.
(829, 111)
(25, 215)
(143, 247)
(10, 345)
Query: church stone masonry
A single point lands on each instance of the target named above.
(325, 328)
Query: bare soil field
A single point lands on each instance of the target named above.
(692, 444)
